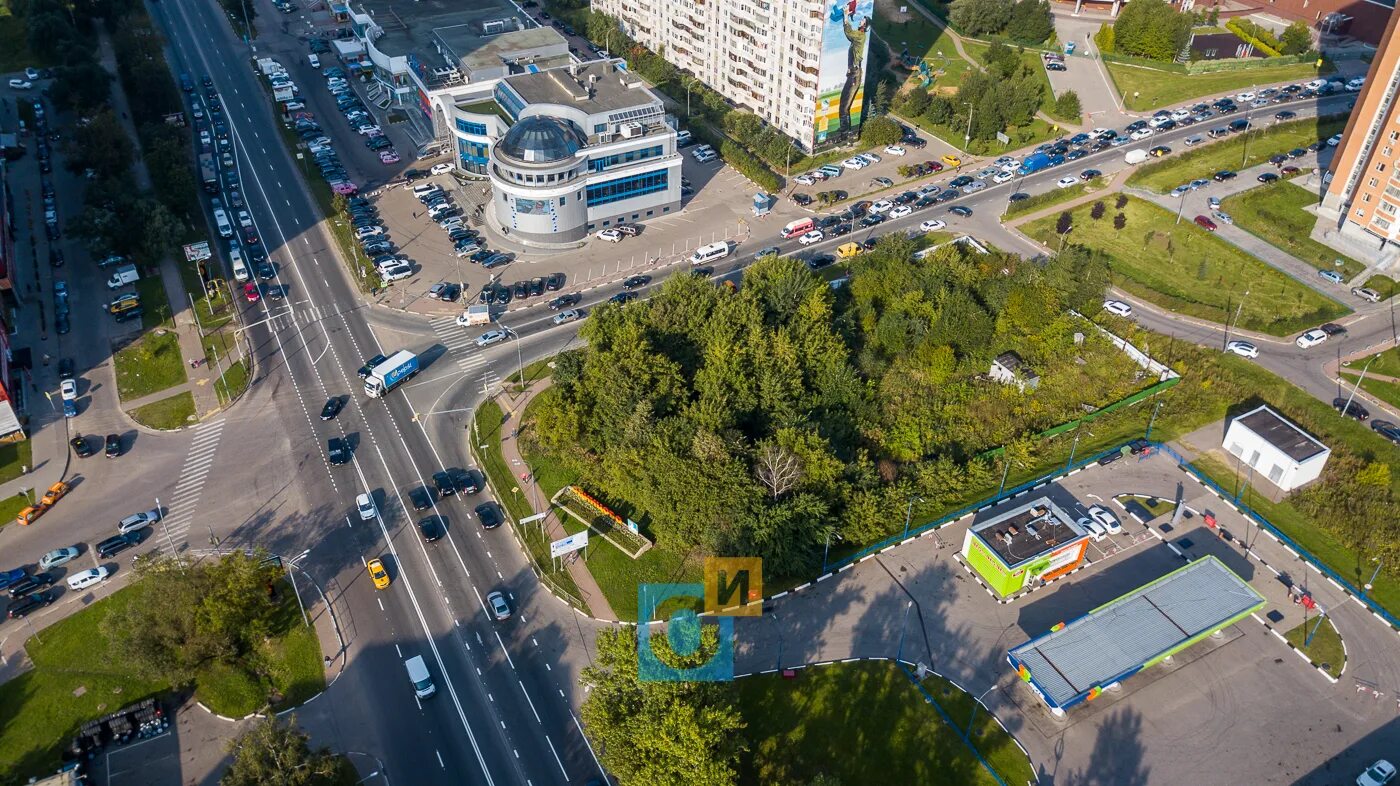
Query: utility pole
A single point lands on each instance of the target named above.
(169, 542)
(1354, 388)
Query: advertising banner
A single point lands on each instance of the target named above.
(845, 45)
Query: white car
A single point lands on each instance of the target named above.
(894, 150)
(1244, 349)
(69, 388)
(901, 211)
(395, 272)
(1245, 97)
(806, 180)
(1378, 774)
(815, 236)
(1002, 177)
(20, 84)
(1066, 182)
(1118, 307)
(931, 226)
(1334, 140)
(138, 521)
(1006, 162)
(491, 337)
(1141, 133)
(566, 316)
(365, 504)
(244, 220)
(443, 168)
(369, 131)
(882, 206)
(611, 235)
(1180, 114)
(853, 163)
(869, 158)
(499, 608)
(1311, 338)
(1106, 518)
(89, 577)
(1094, 529)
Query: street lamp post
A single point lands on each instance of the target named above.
(903, 626)
(1379, 562)
(1062, 241)
(975, 704)
(1355, 387)
(827, 551)
(967, 137)
(1238, 310)
(908, 512)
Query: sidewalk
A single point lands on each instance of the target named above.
(200, 380)
(510, 450)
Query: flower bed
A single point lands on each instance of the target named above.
(601, 519)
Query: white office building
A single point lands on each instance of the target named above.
(798, 64)
(1276, 448)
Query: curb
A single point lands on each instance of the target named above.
(1301, 654)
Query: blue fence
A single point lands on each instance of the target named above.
(1266, 524)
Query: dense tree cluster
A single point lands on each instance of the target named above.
(1006, 95)
(1151, 28)
(762, 421)
(1025, 22)
(271, 752)
(1356, 501)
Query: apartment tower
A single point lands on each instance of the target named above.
(1360, 210)
(800, 65)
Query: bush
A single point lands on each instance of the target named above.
(1104, 38)
(1297, 39)
(1030, 22)
(880, 131)
(1067, 106)
(1261, 38)
(1064, 223)
(1151, 29)
(1096, 212)
(1121, 202)
(1120, 221)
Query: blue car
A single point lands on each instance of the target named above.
(70, 409)
(8, 577)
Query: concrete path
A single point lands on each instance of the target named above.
(510, 450)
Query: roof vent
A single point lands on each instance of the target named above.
(1032, 531)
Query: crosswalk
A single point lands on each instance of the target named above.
(460, 347)
(306, 314)
(185, 499)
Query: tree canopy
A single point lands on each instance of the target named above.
(272, 752)
(1152, 29)
(1025, 22)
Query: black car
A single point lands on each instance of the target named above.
(840, 229)
(81, 447)
(1109, 458)
(113, 446)
(464, 480)
(1268, 177)
(28, 584)
(339, 450)
(116, 544)
(266, 270)
(960, 210)
(923, 202)
(502, 295)
(27, 604)
(1090, 174)
(489, 514)
(875, 219)
(332, 408)
(820, 261)
(633, 282)
(1223, 175)
(960, 181)
(554, 282)
(946, 196)
(1138, 446)
(420, 497)
(623, 297)
(564, 301)
(442, 481)
(905, 198)
(1075, 155)
(1332, 329)
(370, 364)
(432, 528)
(522, 289)
(55, 258)
(1285, 115)
(1386, 429)
(1297, 152)
(702, 272)
(537, 286)
(1351, 409)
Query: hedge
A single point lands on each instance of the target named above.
(737, 156)
(1235, 27)
(1143, 62)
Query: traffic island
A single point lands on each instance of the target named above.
(1318, 640)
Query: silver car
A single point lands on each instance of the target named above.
(138, 521)
(566, 316)
(58, 557)
(499, 607)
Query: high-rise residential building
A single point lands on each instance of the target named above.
(1360, 210)
(800, 65)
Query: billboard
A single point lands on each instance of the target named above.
(845, 45)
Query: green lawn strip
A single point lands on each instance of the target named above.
(1203, 161)
(1386, 391)
(1186, 269)
(14, 457)
(820, 723)
(1055, 197)
(533, 372)
(11, 506)
(1275, 214)
(232, 382)
(168, 413)
(1035, 132)
(1387, 365)
(1383, 284)
(149, 364)
(155, 304)
(487, 432)
(1146, 88)
(924, 41)
(1325, 650)
(1323, 545)
(1156, 507)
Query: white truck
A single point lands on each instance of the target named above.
(1135, 156)
(124, 275)
(474, 316)
(392, 372)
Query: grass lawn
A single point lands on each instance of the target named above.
(1323, 545)
(149, 364)
(1388, 365)
(1205, 160)
(1146, 88)
(11, 506)
(923, 40)
(155, 303)
(168, 413)
(1036, 132)
(1031, 57)
(1055, 197)
(291, 662)
(1186, 269)
(14, 457)
(1326, 648)
(1275, 214)
(232, 382)
(1386, 391)
(820, 723)
(218, 348)
(1156, 507)
(1383, 284)
(533, 372)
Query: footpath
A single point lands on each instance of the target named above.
(515, 405)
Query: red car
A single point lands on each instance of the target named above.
(250, 291)
(1205, 223)
(933, 166)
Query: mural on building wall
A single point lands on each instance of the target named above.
(841, 73)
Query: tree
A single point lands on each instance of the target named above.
(1296, 38)
(880, 104)
(1067, 106)
(880, 131)
(1064, 223)
(777, 469)
(1030, 22)
(1120, 221)
(1152, 29)
(1001, 60)
(913, 103)
(81, 87)
(1121, 201)
(102, 145)
(160, 229)
(979, 17)
(271, 752)
(1096, 212)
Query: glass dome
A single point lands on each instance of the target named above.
(539, 140)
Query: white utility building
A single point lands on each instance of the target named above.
(1276, 448)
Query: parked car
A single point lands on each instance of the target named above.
(489, 515)
(81, 581)
(1118, 308)
(59, 556)
(1351, 409)
(1243, 348)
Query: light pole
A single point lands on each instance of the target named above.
(293, 563)
(908, 512)
(1238, 310)
(1355, 387)
(903, 626)
(169, 542)
(827, 551)
(1379, 562)
(1181, 205)
(975, 704)
(1062, 241)
(967, 137)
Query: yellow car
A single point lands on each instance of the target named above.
(951, 160)
(378, 574)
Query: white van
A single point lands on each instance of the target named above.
(1135, 156)
(221, 221)
(240, 265)
(423, 686)
(314, 60)
(423, 188)
(709, 253)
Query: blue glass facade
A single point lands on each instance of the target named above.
(474, 155)
(475, 129)
(627, 187)
(509, 101)
(599, 164)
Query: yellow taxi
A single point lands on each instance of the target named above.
(951, 160)
(378, 574)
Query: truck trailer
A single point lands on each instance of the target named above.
(394, 371)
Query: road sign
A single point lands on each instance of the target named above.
(195, 252)
(565, 545)
(1003, 138)
(535, 517)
